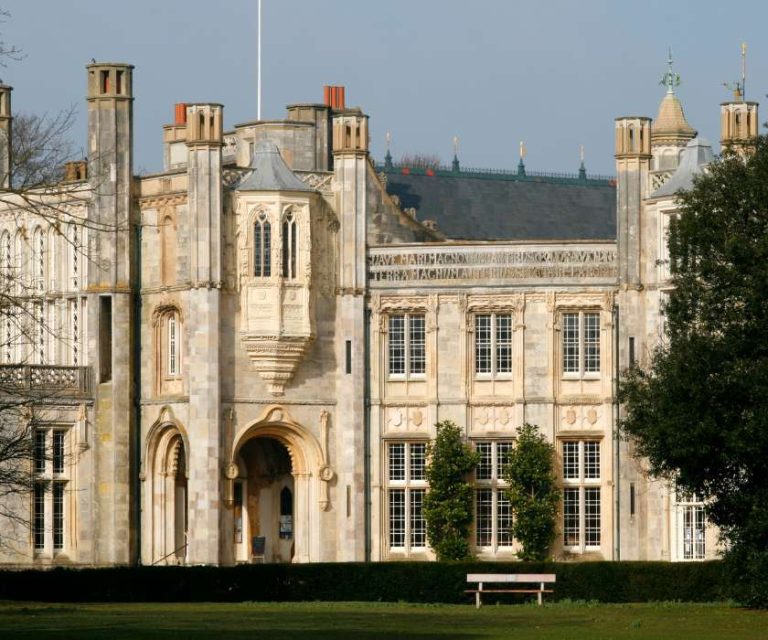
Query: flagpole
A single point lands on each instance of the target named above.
(258, 66)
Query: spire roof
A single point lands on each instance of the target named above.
(670, 126)
(270, 173)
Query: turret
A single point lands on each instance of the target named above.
(633, 160)
(670, 131)
(6, 120)
(109, 287)
(739, 119)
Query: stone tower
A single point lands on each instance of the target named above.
(110, 308)
(350, 157)
(204, 233)
(739, 123)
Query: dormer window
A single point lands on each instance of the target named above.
(262, 247)
(289, 247)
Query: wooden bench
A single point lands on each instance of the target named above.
(509, 578)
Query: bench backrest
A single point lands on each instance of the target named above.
(510, 577)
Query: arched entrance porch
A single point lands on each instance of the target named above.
(272, 489)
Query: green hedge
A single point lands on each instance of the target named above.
(385, 581)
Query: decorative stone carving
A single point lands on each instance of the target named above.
(580, 417)
(487, 418)
(276, 358)
(561, 262)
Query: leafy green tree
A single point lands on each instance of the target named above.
(533, 492)
(699, 413)
(448, 503)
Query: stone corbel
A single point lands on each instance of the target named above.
(326, 473)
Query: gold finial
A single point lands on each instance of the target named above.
(738, 87)
(522, 150)
(581, 152)
(455, 145)
(388, 138)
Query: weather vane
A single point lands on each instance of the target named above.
(670, 79)
(738, 88)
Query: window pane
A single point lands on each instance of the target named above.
(266, 249)
(502, 449)
(483, 344)
(418, 460)
(417, 351)
(504, 343)
(258, 251)
(570, 342)
(571, 517)
(591, 342)
(571, 460)
(38, 517)
(591, 460)
(504, 519)
(58, 452)
(397, 461)
(397, 517)
(172, 345)
(592, 517)
(418, 524)
(484, 517)
(484, 469)
(397, 345)
(58, 516)
(39, 452)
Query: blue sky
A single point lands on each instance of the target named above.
(554, 73)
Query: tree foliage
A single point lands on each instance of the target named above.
(533, 492)
(448, 503)
(699, 413)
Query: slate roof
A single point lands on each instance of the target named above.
(506, 206)
(270, 173)
(696, 155)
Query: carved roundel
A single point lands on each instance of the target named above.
(326, 473)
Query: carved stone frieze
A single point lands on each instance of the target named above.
(389, 265)
(405, 419)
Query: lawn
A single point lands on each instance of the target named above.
(364, 621)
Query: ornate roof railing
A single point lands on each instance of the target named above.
(523, 264)
(44, 381)
(500, 174)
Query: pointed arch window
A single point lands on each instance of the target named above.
(262, 247)
(74, 257)
(289, 246)
(38, 259)
(174, 352)
(6, 245)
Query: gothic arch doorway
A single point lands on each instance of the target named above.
(273, 490)
(167, 495)
(263, 505)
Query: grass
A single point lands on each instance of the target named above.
(365, 621)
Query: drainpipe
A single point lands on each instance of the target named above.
(367, 432)
(616, 441)
(136, 340)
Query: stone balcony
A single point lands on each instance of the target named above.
(45, 381)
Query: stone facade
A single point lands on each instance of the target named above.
(255, 344)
